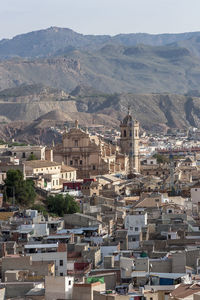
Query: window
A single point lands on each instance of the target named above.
(71, 162)
(70, 282)
(124, 133)
(23, 155)
(54, 167)
(41, 169)
(94, 167)
(131, 228)
(36, 170)
(57, 182)
(61, 274)
(136, 228)
(31, 152)
(53, 182)
(76, 143)
(15, 153)
(81, 162)
(156, 200)
(147, 173)
(61, 262)
(130, 133)
(195, 190)
(47, 169)
(133, 239)
(151, 162)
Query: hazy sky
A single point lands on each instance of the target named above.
(99, 16)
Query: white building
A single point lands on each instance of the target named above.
(134, 224)
(34, 230)
(51, 175)
(48, 252)
(195, 195)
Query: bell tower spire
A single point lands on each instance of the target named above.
(129, 141)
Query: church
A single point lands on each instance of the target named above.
(92, 156)
(129, 142)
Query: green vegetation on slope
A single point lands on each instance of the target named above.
(18, 188)
(61, 205)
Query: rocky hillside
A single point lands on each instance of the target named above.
(132, 63)
(90, 106)
(139, 69)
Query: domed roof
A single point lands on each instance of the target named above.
(127, 119)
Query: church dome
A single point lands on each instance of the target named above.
(127, 120)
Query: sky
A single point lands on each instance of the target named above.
(99, 16)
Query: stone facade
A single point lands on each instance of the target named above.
(88, 154)
(129, 142)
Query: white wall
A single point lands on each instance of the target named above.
(195, 195)
(52, 256)
(58, 287)
(134, 223)
(108, 250)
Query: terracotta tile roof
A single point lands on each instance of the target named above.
(62, 247)
(41, 163)
(185, 290)
(65, 168)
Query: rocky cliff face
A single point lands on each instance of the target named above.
(89, 106)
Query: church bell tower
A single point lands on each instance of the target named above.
(129, 142)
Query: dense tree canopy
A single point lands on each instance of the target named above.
(18, 188)
(61, 205)
(161, 159)
(32, 156)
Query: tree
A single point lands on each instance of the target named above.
(161, 159)
(32, 156)
(16, 187)
(61, 205)
(40, 208)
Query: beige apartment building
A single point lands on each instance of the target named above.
(24, 152)
(52, 174)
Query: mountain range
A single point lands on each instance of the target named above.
(95, 78)
(134, 63)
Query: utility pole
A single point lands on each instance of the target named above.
(171, 171)
(13, 202)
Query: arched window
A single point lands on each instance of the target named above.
(124, 133)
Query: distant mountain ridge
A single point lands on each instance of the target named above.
(49, 41)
